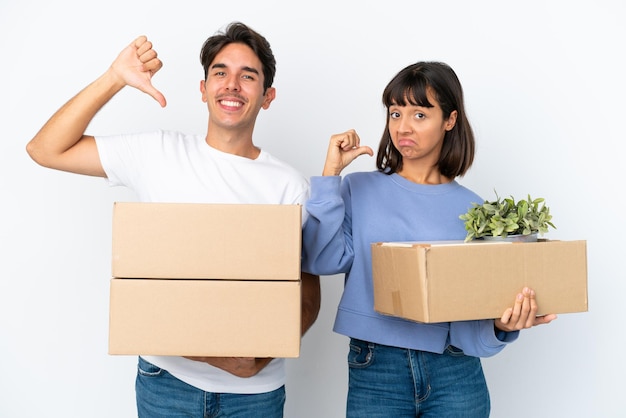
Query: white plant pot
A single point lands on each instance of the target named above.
(512, 238)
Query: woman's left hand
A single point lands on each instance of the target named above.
(342, 150)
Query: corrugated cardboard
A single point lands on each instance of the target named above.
(200, 241)
(451, 281)
(205, 318)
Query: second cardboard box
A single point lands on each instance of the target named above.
(455, 281)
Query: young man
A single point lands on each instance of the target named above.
(222, 167)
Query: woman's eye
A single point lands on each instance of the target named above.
(394, 115)
(419, 116)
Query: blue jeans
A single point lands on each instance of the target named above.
(161, 395)
(395, 382)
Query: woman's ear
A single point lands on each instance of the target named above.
(451, 120)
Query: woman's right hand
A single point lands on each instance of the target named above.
(523, 314)
(342, 150)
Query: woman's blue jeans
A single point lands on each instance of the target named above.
(161, 395)
(395, 382)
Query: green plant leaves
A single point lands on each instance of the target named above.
(503, 217)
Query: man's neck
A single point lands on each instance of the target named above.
(233, 142)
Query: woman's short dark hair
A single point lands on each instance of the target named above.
(410, 87)
(237, 32)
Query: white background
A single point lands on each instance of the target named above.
(544, 85)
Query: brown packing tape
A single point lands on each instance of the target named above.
(397, 302)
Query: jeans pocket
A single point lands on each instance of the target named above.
(454, 351)
(148, 369)
(361, 353)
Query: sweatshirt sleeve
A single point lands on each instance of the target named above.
(326, 239)
(479, 338)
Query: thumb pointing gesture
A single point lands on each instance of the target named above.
(136, 65)
(342, 150)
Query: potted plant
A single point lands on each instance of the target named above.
(507, 219)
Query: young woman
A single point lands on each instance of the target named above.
(399, 368)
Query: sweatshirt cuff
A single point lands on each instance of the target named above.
(324, 186)
(503, 336)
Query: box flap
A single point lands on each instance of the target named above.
(390, 266)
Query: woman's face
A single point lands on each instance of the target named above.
(418, 131)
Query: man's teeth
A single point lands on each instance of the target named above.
(231, 103)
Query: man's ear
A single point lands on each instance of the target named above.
(270, 95)
(203, 90)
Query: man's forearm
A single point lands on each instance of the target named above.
(311, 300)
(67, 126)
(247, 367)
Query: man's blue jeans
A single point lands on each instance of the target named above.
(395, 382)
(161, 395)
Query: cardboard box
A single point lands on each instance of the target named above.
(206, 241)
(205, 318)
(451, 281)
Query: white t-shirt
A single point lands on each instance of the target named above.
(166, 166)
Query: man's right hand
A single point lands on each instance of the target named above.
(238, 366)
(136, 65)
(62, 143)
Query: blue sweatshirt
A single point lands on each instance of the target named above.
(346, 216)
